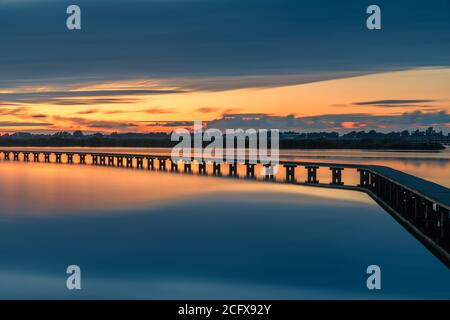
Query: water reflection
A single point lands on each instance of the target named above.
(140, 234)
(35, 189)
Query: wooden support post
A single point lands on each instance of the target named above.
(58, 157)
(6, 154)
(444, 226)
(111, 161)
(391, 195)
(187, 167)
(379, 187)
(46, 156)
(129, 161)
(409, 205)
(94, 159)
(120, 161)
(173, 166)
(404, 202)
(26, 156)
(162, 164)
(428, 207)
(290, 172)
(372, 181)
(363, 178)
(216, 169)
(36, 156)
(232, 169)
(150, 163)
(102, 159)
(202, 167)
(336, 176)
(139, 162)
(312, 174)
(382, 188)
(69, 157)
(82, 158)
(16, 155)
(414, 207)
(420, 212)
(250, 170)
(433, 222)
(396, 202)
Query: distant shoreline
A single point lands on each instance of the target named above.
(316, 144)
(363, 145)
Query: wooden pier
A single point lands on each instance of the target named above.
(422, 207)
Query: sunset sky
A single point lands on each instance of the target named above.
(148, 65)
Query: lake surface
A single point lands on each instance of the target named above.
(142, 234)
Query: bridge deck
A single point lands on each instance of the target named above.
(431, 190)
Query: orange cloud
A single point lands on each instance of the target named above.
(353, 125)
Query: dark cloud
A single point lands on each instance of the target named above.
(82, 101)
(135, 39)
(221, 83)
(157, 111)
(394, 103)
(76, 122)
(14, 111)
(207, 110)
(114, 111)
(231, 110)
(88, 111)
(170, 124)
(79, 97)
(110, 125)
(9, 104)
(8, 124)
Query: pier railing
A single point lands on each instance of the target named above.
(422, 207)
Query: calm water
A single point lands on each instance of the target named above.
(140, 234)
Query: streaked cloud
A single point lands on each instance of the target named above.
(79, 97)
(267, 80)
(170, 124)
(75, 123)
(7, 124)
(207, 110)
(215, 39)
(157, 110)
(14, 111)
(88, 111)
(397, 103)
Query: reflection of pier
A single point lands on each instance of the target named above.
(422, 207)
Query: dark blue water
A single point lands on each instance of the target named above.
(231, 239)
